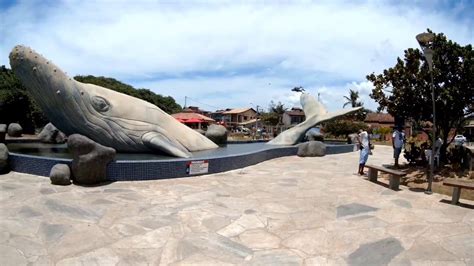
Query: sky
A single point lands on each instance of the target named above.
(231, 54)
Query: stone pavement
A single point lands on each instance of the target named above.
(286, 211)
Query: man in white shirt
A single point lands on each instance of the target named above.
(398, 139)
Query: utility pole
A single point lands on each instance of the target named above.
(185, 99)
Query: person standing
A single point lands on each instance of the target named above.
(398, 139)
(363, 139)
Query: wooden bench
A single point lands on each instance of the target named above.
(395, 175)
(457, 186)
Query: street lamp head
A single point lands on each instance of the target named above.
(425, 38)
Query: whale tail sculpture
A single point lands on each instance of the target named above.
(108, 117)
(315, 113)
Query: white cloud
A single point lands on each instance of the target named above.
(225, 54)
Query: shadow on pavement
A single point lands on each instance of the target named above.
(460, 204)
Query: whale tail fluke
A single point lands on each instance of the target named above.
(315, 113)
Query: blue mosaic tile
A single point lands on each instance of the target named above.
(130, 170)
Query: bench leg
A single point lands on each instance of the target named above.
(373, 174)
(394, 182)
(456, 195)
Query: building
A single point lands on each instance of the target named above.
(469, 128)
(377, 120)
(218, 115)
(196, 109)
(293, 117)
(236, 117)
(193, 119)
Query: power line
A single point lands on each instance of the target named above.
(187, 97)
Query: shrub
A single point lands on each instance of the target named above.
(458, 156)
(343, 128)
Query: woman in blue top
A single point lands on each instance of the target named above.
(364, 145)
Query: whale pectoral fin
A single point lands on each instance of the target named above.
(157, 141)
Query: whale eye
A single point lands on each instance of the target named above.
(100, 104)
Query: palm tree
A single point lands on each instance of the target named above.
(352, 99)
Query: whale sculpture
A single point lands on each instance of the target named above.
(315, 113)
(113, 119)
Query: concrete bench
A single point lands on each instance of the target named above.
(395, 175)
(457, 186)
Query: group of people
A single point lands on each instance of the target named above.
(398, 140)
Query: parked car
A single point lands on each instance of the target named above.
(459, 140)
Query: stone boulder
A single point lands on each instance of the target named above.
(4, 168)
(312, 149)
(217, 133)
(15, 130)
(60, 175)
(50, 134)
(90, 159)
(3, 132)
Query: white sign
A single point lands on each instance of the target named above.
(197, 167)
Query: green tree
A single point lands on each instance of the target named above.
(166, 103)
(383, 131)
(342, 128)
(352, 99)
(404, 90)
(274, 115)
(16, 106)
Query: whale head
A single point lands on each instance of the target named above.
(111, 118)
(75, 107)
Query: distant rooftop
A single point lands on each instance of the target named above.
(379, 118)
(295, 111)
(237, 111)
(191, 115)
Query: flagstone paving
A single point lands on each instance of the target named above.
(286, 211)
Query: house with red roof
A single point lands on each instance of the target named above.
(193, 118)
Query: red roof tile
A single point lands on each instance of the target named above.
(379, 118)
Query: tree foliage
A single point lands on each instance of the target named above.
(166, 103)
(353, 101)
(275, 114)
(342, 128)
(404, 90)
(382, 131)
(16, 106)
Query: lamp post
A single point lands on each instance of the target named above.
(425, 40)
(256, 122)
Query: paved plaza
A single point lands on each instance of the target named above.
(286, 211)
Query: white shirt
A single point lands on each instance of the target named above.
(398, 138)
(364, 139)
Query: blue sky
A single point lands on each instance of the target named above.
(231, 53)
